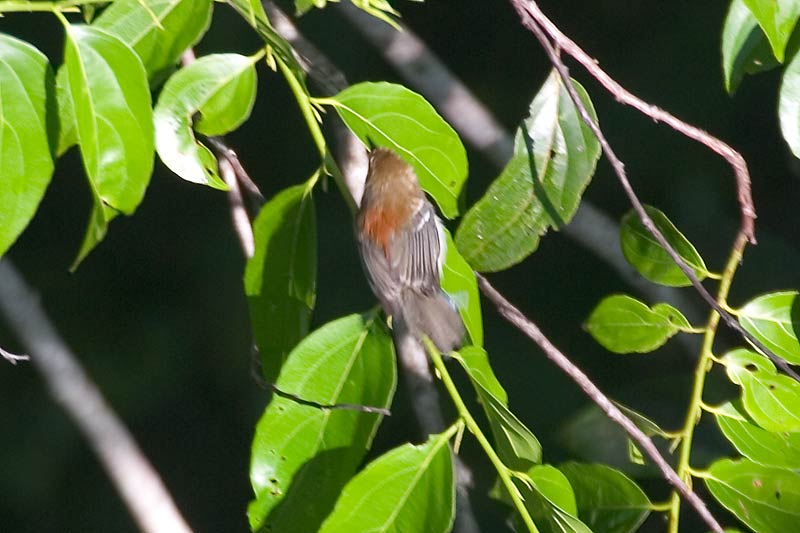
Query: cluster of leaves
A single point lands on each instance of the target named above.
(306, 460)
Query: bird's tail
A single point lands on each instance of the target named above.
(434, 316)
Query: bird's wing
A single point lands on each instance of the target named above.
(414, 253)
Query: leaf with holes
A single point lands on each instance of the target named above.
(458, 281)
(771, 399)
(774, 319)
(555, 155)
(767, 499)
(623, 324)
(607, 500)
(26, 164)
(780, 449)
(385, 114)
(300, 449)
(410, 488)
(777, 18)
(642, 250)
(745, 48)
(213, 95)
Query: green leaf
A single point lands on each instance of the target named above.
(26, 163)
(217, 89)
(774, 319)
(302, 455)
(459, 282)
(623, 324)
(410, 488)
(96, 229)
(767, 499)
(517, 446)
(555, 155)
(772, 399)
(745, 48)
(607, 499)
(159, 31)
(386, 114)
(114, 121)
(653, 262)
(550, 501)
(789, 105)
(777, 18)
(280, 279)
(780, 449)
(67, 128)
(475, 361)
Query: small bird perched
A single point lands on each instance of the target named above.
(402, 247)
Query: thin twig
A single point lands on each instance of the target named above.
(530, 14)
(136, 480)
(13, 357)
(521, 322)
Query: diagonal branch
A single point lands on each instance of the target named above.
(521, 322)
(135, 478)
(531, 16)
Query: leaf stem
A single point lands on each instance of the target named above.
(704, 364)
(310, 114)
(502, 470)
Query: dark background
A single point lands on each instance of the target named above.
(158, 317)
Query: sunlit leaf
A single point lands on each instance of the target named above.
(780, 449)
(458, 281)
(771, 399)
(385, 114)
(774, 319)
(280, 279)
(745, 48)
(623, 324)
(410, 488)
(26, 163)
(653, 262)
(114, 121)
(159, 31)
(215, 94)
(303, 455)
(777, 18)
(608, 500)
(767, 499)
(555, 155)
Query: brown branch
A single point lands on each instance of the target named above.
(521, 322)
(136, 480)
(530, 14)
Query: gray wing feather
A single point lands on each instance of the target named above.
(414, 255)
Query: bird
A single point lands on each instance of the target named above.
(402, 248)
